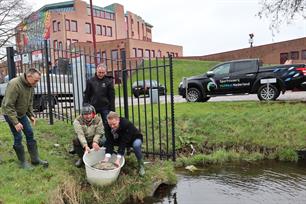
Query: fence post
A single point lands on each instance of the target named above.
(124, 81)
(172, 108)
(50, 98)
(10, 62)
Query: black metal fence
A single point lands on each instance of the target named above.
(144, 89)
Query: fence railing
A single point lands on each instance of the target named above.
(144, 90)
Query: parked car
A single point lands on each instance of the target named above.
(244, 77)
(142, 87)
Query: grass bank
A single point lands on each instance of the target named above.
(62, 182)
(218, 132)
(231, 131)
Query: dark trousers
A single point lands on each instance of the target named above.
(27, 130)
(103, 114)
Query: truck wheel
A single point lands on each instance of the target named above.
(265, 94)
(194, 95)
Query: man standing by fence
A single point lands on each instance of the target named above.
(100, 92)
(17, 107)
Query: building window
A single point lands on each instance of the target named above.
(143, 33)
(303, 54)
(68, 43)
(104, 59)
(294, 55)
(283, 57)
(138, 29)
(55, 44)
(74, 26)
(58, 26)
(153, 53)
(140, 52)
(107, 15)
(104, 30)
(159, 53)
(98, 29)
(135, 52)
(109, 31)
(67, 25)
(60, 45)
(87, 28)
(74, 41)
(147, 53)
(115, 54)
(54, 25)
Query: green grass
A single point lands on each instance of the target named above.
(63, 181)
(253, 130)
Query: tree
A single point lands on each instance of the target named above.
(12, 12)
(281, 11)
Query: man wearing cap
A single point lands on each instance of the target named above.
(122, 133)
(89, 127)
(17, 108)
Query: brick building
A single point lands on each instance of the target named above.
(67, 23)
(275, 53)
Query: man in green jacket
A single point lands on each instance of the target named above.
(89, 129)
(17, 107)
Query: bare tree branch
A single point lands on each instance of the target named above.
(12, 12)
(281, 11)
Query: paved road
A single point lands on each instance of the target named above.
(288, 96)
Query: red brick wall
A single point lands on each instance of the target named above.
(270, 53)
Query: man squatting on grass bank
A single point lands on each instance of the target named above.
(89, 128)
(17, 107)
(122, 133)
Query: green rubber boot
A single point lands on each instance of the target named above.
(141, 168)
(19, 149)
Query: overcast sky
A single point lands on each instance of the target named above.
(203, 26)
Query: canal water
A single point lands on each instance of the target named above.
(244, 183)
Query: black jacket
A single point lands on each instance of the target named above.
(100, 93)
(127, 134)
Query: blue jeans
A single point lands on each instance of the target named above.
(137, 148)
(103, 114)
(27, 130)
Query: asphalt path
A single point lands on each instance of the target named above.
(288, 96)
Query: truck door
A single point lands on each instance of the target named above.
(243, 75)
(221, 74)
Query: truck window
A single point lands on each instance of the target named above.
(244, 67)
(222, 69)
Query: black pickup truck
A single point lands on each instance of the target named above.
(244, 77)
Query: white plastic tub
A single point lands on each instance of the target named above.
(97, 176)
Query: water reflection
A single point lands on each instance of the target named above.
(264, 182)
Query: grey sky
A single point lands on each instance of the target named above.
(203, 26)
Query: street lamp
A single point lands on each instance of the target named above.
(251, 39)
(251, 43)
(93, 34)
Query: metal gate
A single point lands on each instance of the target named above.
(144, 89)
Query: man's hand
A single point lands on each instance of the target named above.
(87, 149)
(117, 162)
(33, 120)
(105, 160)
(18, 127)
(95, 146)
